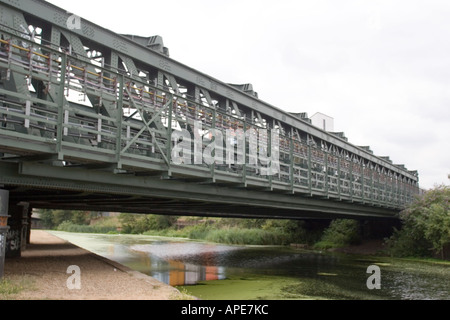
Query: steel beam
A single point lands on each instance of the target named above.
(95, 181)
(59, 17)
(134, 147)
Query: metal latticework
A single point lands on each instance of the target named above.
(89, 98)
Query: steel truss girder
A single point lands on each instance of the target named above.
(97, 182)
(90, 122)
(128, 47)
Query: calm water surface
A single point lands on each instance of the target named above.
(215, 271)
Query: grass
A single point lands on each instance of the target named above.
(211, 233)
(183, 295)
(11, 287)
(324, 245)
(247, 236)
(226, 235)
(69, 226)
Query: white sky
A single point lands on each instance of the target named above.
(380, 68)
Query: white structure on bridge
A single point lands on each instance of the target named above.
(323, 121)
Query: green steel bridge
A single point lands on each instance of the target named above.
(89, 120)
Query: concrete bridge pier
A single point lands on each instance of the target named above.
(4, 201)
(19, 229)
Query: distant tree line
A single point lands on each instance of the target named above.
(424, 232)
(51, 219)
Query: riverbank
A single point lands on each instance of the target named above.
(244, 273)
(368, 247)
(42, 273)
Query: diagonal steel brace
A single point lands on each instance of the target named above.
(146, 125)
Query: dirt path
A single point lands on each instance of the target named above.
(42, 269)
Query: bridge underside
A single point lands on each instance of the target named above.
(44, 185)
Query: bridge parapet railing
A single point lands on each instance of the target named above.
(333, 174)
(21, 63)
(73, 102)
(356, 177)
(368, 182)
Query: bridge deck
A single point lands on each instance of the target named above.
(92, 119)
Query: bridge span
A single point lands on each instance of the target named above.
(94, 120)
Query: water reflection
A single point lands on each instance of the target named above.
(167, 261)
(187, 263)
(177, 273)
(298, 274)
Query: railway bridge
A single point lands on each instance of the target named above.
(94, 120)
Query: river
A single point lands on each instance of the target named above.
(226, 272)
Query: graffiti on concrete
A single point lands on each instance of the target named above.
(13, 240)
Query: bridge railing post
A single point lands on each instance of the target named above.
(119, 90)
(325, 171)
(169, 134)
(291, 162)
(61, 102)
(309, 170)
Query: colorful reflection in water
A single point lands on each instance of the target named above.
(252, 272)
(186, 274)
(167, 261)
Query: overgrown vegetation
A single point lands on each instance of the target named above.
(222, 230)
(53, 218)
(69, 226)
(78, 221)
(340, 233)
(425, 226)
(137, 224)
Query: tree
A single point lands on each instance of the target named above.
(425, 225)
(46, 217)
(435, 222)
(80, 217)
(139, 223)
(341, 232)
(53, 218)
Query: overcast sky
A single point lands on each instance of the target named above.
(381, 69)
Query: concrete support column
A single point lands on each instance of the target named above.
(4, 201)
(28, 235)
(16, 240)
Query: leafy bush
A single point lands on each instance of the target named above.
(341, 232)
(139, 224)
(159, 222)
(199, 231)
(53, 218)
(425, 226)
(295, 230)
